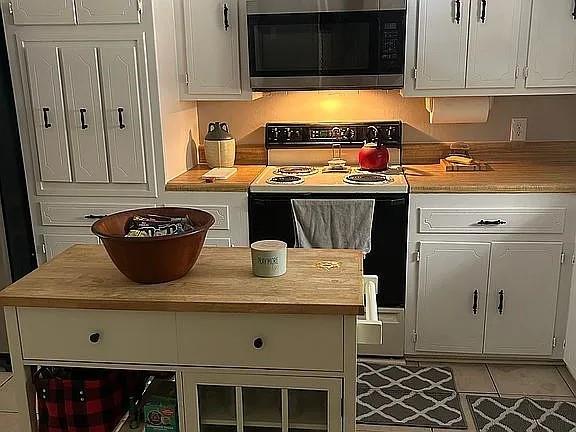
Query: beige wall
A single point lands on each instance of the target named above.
(549, 117)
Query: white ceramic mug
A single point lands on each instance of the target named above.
(269, 258)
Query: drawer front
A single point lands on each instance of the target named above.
(82, 215)
(124, 337)
(521, 220)
(303, 342)
(218, 242)
(221, 214)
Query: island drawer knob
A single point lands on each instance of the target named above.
(95, 338)
(258, 343)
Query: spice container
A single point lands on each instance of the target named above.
(269, 258)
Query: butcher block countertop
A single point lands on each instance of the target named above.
(510, 177)
(83, 277)
(192, 180)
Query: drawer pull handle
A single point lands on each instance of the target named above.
(258, 343)
(83, 118)
(95, 338)
(91, 216)
(47, 123)
(492, 222)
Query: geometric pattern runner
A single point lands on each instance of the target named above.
(407, 396)
(494, 414)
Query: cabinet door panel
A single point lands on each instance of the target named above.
(43, 12)
(84, 114)
(552, 55)
(58, 243)
(524, 279)
(122, 111)
(108, 11)
(494, 43)
(45, 83)
(442, 45)
(453, 280)
(213, 68)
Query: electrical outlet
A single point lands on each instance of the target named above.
(519, 127)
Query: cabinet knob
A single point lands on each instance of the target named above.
(258, 343)
(95, 338)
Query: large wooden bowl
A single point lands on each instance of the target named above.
(150, 260)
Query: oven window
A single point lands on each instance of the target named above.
(284, 45)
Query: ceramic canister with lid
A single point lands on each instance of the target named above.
(220, 146)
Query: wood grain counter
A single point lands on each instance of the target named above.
(513, 177)
(192, 180)
(83, 277)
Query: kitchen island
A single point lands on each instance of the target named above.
(291, 338)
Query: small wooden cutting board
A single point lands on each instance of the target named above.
(453, 167)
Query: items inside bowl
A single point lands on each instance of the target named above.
(151, 225)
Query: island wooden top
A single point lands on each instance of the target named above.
(192, 180)
(512, 177)
(83, 277)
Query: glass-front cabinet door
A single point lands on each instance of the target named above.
(260, 403)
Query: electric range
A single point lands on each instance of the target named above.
(299, 156)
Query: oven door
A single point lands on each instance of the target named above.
(296, 46)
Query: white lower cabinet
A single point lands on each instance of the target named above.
(523, 293)
(55, 244)
(453, 285)
(231, 402)
(492, 298)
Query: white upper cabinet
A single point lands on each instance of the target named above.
(442, 44)
(108, 11)
(212, 47)
(84, 114)
(494, 43)
(522, 298)
(43, 12)
(552, 49)
(47, 111)
(453, 280)
(120, 92)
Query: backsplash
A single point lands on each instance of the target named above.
(550, 118)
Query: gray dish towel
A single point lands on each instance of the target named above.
(334, 224)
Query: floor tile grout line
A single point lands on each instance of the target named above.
(565, 380)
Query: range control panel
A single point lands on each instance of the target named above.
(281, 135)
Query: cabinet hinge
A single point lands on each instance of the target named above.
(414, 73)
(517, 72)
(573, 259)
(140, 7)
(564, 344)
(10, 8)
(186, 79)
(563, 258)
(418, 256)
(414, 336)
(554, 342)
(44, 248)
(526, 72)
(342, 407)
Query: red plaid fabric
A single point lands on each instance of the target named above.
(94, 403)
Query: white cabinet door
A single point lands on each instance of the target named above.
(522, 296)
(570, 351)
(212, 47)
(58, 243)
(48, 112)
(108, 11)
(121, 95)
(84, 114)
(552, 52)
(493, 43)
(442, 44)
(43, 12)
(453, 280)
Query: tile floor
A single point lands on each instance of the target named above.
(547, 382)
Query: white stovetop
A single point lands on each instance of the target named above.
(327, 183)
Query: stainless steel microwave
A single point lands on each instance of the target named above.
(326, 44)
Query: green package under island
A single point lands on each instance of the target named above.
(247, 353)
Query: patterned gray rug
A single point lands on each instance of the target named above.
(493, 414)
(408, 396)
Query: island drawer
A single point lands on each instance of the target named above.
(98, 335)
(81, 215)
(473, 220)
(303, 342)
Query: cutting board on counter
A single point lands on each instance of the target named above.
(454, 167)
(220, 173)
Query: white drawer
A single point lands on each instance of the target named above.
(72, 214)
(221, 214)
(218, 242)
(124, 336)
(518, 220)
(304, 342)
